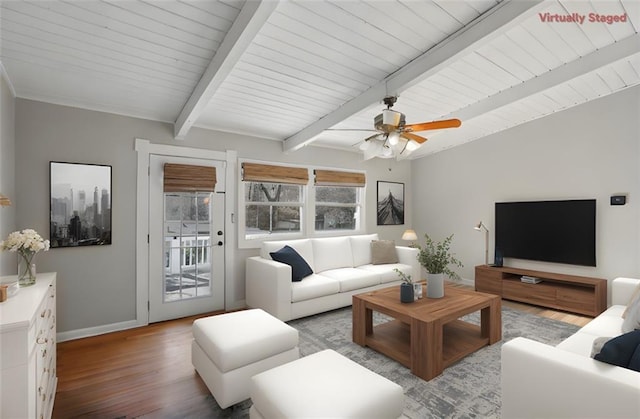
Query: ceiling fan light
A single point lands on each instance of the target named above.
(412, 145)
(390, 117)
(394, 138)
(386, 152)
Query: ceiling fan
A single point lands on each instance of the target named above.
(394, 138)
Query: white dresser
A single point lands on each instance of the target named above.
(28, 350)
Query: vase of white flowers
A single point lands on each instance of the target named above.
(26, 243)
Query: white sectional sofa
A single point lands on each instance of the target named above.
(342, 267)
(543, 381)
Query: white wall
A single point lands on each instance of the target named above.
(8, 261)
(96, 285)
(589, 151)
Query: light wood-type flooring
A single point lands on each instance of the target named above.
(147, 371)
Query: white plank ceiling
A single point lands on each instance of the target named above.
(295, 71)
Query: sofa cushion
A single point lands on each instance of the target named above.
(386, 272)
(579, 343)
(361, 248)
(299, 267)
(313, 286)
(598, 343)
(608, 323)
(332, 253)
(302, 246)
(353, 278)
(623, 351)
(383, 251)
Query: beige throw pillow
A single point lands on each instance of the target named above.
(634, 298)
(383, 251)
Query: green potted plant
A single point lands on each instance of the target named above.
(406, 288)
(436, 258)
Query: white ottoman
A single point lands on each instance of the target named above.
(324, 385)
(228, 349)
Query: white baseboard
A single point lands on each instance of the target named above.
(98, 330)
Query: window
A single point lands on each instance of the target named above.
(277, 203)
(337, 200)
(273, 199)
(272, 208)
(337, 208)
(187, 224)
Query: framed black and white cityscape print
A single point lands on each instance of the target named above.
(390, 203)
(80, 204)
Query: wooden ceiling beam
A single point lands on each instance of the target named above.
(252, 17)
(567, 72)
(495, 22)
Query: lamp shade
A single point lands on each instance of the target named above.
(480, 226)
(4, 201)
(409, 235)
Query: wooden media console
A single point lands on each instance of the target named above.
(576, 294)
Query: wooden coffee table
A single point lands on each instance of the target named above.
(427, 335)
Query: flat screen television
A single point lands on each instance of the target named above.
(549, 231)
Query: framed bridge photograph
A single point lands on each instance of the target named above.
(390, 202)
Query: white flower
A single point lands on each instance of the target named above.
(25, 241)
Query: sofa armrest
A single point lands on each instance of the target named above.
(540, 380)
(409, 256)
(268, 286)
(621, 290)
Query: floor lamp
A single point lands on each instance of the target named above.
(480, 227)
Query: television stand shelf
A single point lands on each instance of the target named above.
(577, 294)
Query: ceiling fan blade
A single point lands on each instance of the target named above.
(418, 139)
(366, 139)
(351, 129)
(424, 126)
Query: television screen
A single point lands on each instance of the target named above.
(549, 231)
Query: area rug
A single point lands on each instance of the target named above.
(467, 389)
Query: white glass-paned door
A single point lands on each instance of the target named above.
(186, 245)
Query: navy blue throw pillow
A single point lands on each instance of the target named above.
(299, 267)
(623, 351)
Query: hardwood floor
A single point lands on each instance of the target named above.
(147, 372)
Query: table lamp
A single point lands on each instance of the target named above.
(410, 235)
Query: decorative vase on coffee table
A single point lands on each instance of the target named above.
(406, 293)
(435, 285)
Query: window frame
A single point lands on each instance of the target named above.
(359, 204)
(270, 236)
(307, 211)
